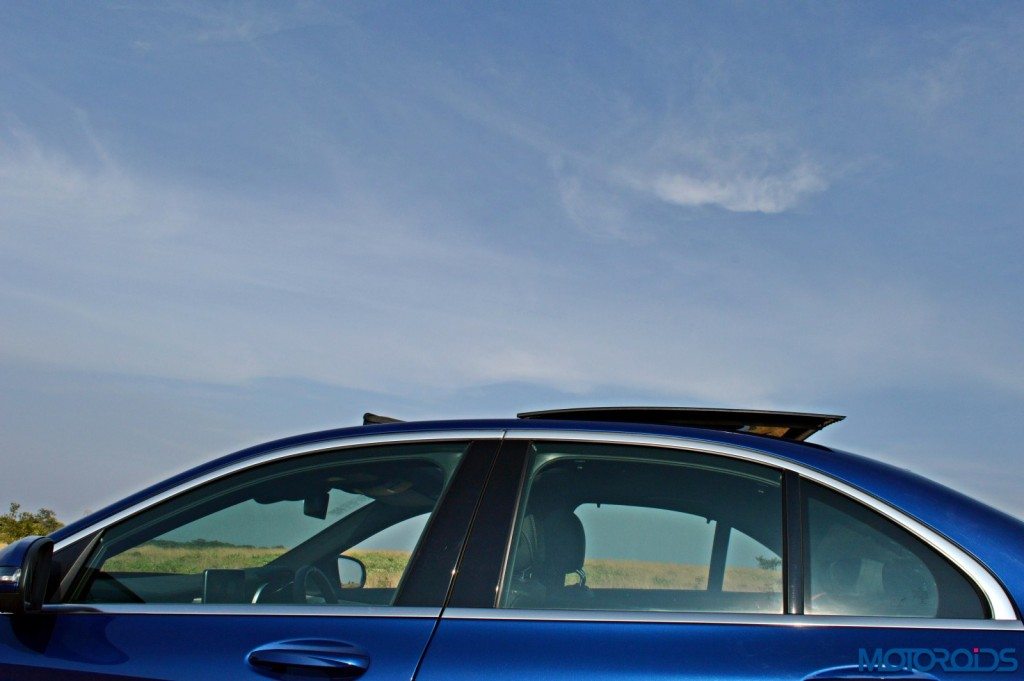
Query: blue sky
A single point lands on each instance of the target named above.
(225, 222)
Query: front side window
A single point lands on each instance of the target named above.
(330, 528)
(859, 563)
(610, 527)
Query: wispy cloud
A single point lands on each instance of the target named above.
(228, 23)
(44, 191)
(742, 193)
(953, 86)
(614, 199)
(598, 211)
(393, 290)
(119, 272)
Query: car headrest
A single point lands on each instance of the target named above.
(841, 576)
(564, 545)
(528, 550)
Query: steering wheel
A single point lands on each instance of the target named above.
(284, 586)
(308, 575)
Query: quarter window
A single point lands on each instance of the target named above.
(859, 563)
(611, 527)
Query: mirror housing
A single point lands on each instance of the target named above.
(351, 572)
(24, 575)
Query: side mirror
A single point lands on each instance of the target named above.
(24, 574)
(351, 572)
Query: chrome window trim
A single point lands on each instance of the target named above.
(999, 603)
(741, 619)
(243, 609)
(281, 454)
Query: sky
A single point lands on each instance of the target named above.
(224, 222)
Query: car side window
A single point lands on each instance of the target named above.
(386, 554)
(330, 528)
(860, 563)
(611, 527)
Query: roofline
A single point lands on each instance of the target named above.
(454, 425)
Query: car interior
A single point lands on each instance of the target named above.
(376, 495)
(551, 540)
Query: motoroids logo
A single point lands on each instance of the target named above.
(928, 659)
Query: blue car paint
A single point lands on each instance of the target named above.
(510, 650)
(12, 555)
(12, 579)
(168, 646)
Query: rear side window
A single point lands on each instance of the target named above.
(860, 563)
(609, 527)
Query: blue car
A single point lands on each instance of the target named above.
(608, 543)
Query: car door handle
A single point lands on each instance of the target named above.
(854, 673)
(332, 659)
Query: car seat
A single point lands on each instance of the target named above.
(549, 548)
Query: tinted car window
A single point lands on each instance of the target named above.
(386, 554)
(274, 533)
(859, 563)
(615, 527)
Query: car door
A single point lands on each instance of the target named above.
(334, 560)
(676, 560)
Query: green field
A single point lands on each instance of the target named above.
(635, 574)
(384, 568)
(187, 558)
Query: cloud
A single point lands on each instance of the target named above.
(43, 191)
(741, 167)
(955, 87)
(111, 270)
(243, 23)
(742, 193)
(597, 211)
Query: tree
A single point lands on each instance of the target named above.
(16, 523)
(766, 563)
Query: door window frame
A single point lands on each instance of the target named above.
(427, 579)
(477, 590)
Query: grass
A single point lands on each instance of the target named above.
(752, 579)
(635, 574)
(384, 568)
(189, 558)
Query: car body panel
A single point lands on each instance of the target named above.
(605, 651)
(161, 645)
